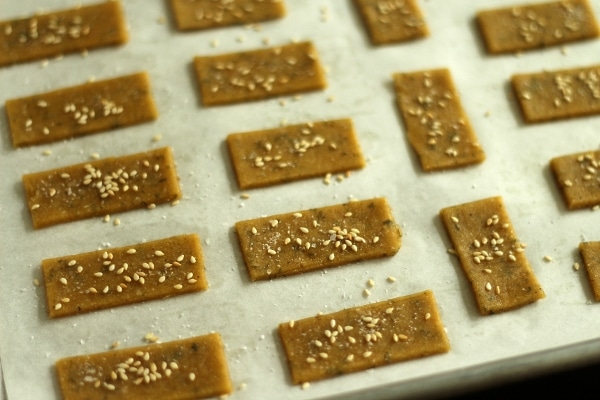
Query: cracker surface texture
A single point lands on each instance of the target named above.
(101, 187)
(392, 22)
(60, 32)
(561, 94)
(318, 238)
(531, 26)
(294, 152)
(81, 110)
(114, 277)
(491, 255)
(435, 122)
(578, 178)
(590, 253)
(192, 368)
(363, 337)
(206, 14)
(259, 74)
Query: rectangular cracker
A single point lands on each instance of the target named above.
(101, 187)
(560, 94)
(491, 255)
(364, 337)
(81, 110)
(259, 74)
(590, 253)
(318, 238)
(206, 14)
(531, 26)
(436, 124)
(578, 178)
(192, 368)
(294, 152)
(392, 22)
(109, 278)
(60, 32)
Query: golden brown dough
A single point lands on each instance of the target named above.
(530, 26)
(578, 178)
(114, 277)
(101, 187)
(363, 337)
(61, 32)
(390, 21)
(192, 368)
(206, 14)
(590, 252)
(436, 124)
(259, 74)
(318, 238)
(491, 255)
(551, 95)
(272, 156)
(81, 110)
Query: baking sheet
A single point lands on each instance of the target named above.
(559, 330)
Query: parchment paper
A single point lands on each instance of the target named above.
(562, 329)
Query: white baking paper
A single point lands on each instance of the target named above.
(563, 329)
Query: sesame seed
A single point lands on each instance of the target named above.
(303, 229)
(159, 253)
(131, 251)
(389, 310)
(57, 306)
(576, 266)
(63, 281)
(178, 286)
(367, 354)
(192, 376)
(427, 316)
(193, 259)
(297, 215)
(292, 323)
(547, 258)
(391, 279)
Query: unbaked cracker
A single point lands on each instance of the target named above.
(101, 187)
(436, 124)
(590, 253)
(206, 14)
(114, 277)
(81, 110)
(318, 238)
(578, 178)
(491, 255)
(364, 337)
(285, 154)
(531, 26)
(392, 21)
(193, 368)
(60, 32)
(259, 74)
(559, 94)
